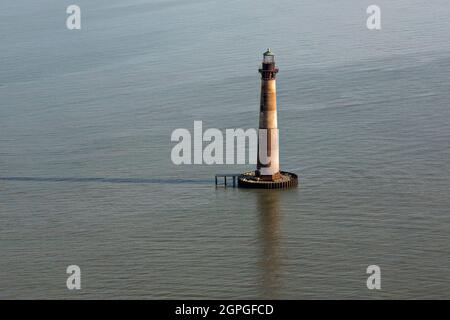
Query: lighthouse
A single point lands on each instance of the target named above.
(268, 167)
(267, 174)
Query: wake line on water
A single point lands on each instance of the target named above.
(107, 180)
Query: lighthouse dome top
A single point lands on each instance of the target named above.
(268, 53)
(268, 57)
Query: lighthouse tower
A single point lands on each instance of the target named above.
(268, 167)
(268, 174)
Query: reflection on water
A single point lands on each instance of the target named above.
(269, 214)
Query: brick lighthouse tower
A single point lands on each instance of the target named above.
(268, 167)
(268, 174)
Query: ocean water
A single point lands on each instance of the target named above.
(85, 170)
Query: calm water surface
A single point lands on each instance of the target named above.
(85, 171)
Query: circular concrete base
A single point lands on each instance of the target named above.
(250, 180)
